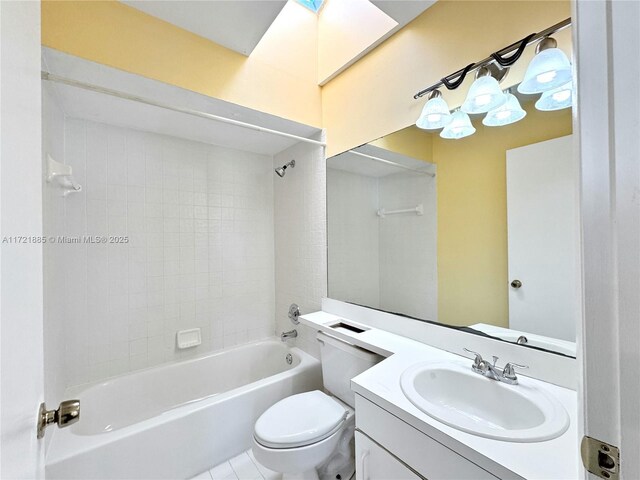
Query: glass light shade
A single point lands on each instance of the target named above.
(459, 127)
(510, 112)
(549, 69)
(485, 94)
(556, 99)
(435, 114)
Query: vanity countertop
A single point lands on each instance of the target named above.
(552, 459)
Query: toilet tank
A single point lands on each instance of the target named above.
(341, 362)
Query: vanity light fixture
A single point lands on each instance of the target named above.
(549, 69)
(505, 57)
(556, 99)
(435, 113)
(459, 127)
(485, 93)
(508, 113)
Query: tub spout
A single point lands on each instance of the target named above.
(290, 334)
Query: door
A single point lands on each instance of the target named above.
(374, 463)
(543, 239)
(21, 345)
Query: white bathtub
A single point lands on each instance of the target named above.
(177, 420)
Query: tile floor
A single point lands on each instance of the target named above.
(241, 467)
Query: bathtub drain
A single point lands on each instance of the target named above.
(289, 358)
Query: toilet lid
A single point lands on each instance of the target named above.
(299, 420)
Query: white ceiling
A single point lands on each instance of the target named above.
(403, 11)
(235, 24)
(240, 24)
(99, 107)
(349, 162)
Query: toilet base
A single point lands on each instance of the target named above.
(343, 474)
(341, 465)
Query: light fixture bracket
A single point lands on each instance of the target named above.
(546, 43)
(493, 69)
(454, 80)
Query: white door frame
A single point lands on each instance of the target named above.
(607, 120)
(21, 270)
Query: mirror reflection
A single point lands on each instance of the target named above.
(479, 232)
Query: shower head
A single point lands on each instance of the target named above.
(281, 171)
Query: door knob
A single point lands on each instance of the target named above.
(68, 413)
(516, 284)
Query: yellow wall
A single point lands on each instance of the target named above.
(472, 216)
(370, 99)
(345, 30)
(280, 77)
(410, 141)
(375, 95)
(472, 210)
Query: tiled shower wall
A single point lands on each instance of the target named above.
(408, 246)
(54, 291)
(200, 228)
(301, 238)
(383, 262)
(353, 224)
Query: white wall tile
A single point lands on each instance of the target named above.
(408, 247)
(186, 263)
(353, 238)
(300, 238)
(56, 376)
(387, 263)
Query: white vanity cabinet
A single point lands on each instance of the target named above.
(374, 463)
(388, 448)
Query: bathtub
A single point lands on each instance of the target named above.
(177, 420)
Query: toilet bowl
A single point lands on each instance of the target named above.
(310, 435)
(300, 434)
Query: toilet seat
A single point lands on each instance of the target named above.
(300, 420)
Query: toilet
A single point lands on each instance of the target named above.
(310, 435)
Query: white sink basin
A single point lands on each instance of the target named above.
(463, 399)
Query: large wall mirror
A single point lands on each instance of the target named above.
(479, 232)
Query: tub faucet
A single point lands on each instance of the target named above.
(290, 334)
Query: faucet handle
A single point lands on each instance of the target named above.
(478, 360)
(509, 370)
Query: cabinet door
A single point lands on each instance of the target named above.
(374, 463)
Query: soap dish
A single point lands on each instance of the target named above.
(188, 338)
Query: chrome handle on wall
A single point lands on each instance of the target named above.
(294, 313)
(67, 414)
(516, 284)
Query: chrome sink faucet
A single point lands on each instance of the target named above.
(486, 369)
